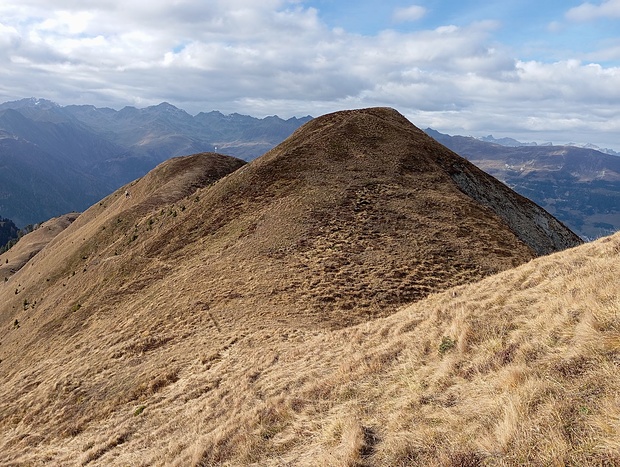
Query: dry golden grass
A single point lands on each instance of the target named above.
(532, 378)
(255, 321)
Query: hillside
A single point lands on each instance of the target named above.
(215, 311)
(36, 184)
(30, 244)
(579, 186)
(521, 368)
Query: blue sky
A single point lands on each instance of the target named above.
(534, 29)
(534, 70)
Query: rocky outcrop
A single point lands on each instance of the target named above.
(534, 226)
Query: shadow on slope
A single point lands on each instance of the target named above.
(579, 186)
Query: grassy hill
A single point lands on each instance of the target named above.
(521, 368)
(222, 313)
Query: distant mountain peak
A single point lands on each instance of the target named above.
(167, 107)
(510, 142)
(56, 159)
(594, 147)
(30, 102)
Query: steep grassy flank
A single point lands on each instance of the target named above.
(522, 368)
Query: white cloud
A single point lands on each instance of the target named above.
(9, 38)
(67, 22)
(609, 52)
(588, 11)
(410, 13)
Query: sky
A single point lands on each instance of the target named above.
(534, 70)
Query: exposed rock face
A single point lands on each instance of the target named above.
(534, 226)
(578, 186)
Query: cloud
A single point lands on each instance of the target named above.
(588, 11)
(278, 57)
(9, 38)
(609, 51)
(239, 50)
(411, 13)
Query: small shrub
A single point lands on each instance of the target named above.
(139, 410)
(447, 344)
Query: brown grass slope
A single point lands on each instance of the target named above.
(356, 211)
(522, 368)
(159, 312)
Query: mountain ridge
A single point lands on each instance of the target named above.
(112, 147)
(342, 178)
(511, 142)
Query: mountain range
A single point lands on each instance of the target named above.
(507, 141)
(57, 159)
(358, 295)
